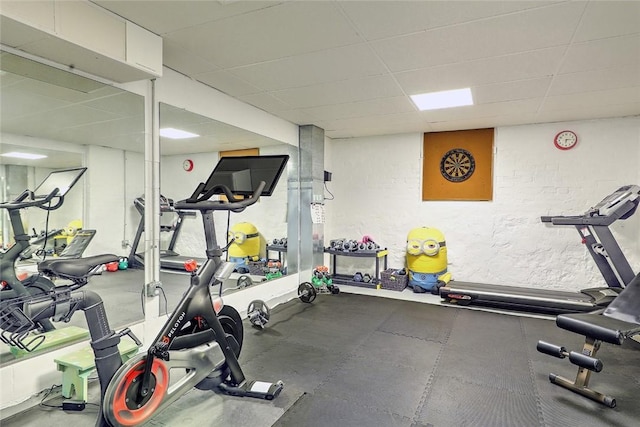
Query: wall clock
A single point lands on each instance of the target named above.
(565, 140)
(187, 165)
(457, 165)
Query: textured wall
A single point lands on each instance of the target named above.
(377, 188)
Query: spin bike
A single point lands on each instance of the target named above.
(202, 339)
(49, 196)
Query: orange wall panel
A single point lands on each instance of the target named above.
(466, 157)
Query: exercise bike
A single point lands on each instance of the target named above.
(201, 340)
(49, 196)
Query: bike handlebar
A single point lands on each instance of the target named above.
(201, 202)
(19, 203)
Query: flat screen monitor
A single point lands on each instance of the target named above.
(243, 174)
(62, 179)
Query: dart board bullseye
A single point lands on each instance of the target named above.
(457, 165)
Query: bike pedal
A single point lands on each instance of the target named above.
(256, 389)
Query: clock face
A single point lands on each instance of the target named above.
(187, 165)
(565, 140)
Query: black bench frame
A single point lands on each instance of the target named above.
(613, 325)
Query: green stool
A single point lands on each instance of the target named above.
(52, 339)
(77, 366)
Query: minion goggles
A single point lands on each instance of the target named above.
(429, 247)
(239, 237)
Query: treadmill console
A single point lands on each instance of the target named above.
(616, 200)
(166, 204)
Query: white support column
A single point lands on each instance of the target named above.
(152, 204)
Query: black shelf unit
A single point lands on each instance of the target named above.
(280, 250)
(345, 279)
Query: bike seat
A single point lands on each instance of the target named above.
(77, 268)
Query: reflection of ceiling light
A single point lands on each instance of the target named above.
(176, 133)
(444, 99)
(28, 156)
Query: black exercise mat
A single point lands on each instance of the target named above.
(417, 365)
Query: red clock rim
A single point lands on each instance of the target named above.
(190, 167)
(559, 147)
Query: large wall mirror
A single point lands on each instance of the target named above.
(261, 256)
(68, 121)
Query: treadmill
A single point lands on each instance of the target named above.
(169, 258)
(593, 227)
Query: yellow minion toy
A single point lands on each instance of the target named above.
(245, 246)
(427, 259)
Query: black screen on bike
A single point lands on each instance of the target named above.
(63, 180)
(242, 175)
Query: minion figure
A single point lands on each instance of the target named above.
(427, 260)
(245, 246)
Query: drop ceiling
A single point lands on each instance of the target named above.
(350, 66)
(40, 103)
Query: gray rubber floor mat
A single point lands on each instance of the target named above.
(354, 360)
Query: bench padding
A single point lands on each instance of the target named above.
(597, 326)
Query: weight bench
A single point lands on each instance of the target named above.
(619, 321)
(78, 365)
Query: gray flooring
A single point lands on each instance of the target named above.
(354, 360)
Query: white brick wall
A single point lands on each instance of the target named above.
(377, 188)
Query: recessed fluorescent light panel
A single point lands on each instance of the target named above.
(443, 99)
(176, 133)
(28, 156)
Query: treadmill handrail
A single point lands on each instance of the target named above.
(590, 220)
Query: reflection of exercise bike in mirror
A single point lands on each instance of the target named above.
(48, 195)
(200, 343)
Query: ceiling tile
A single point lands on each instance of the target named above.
(626, 95)
(375, 107)
(376, 122)
(296, 116)
(506, 68)
(483, 123)
(184, 61)
(510, 91)
(523, 106)
(381, 19)
(124, 104)
(15, 102)
(281, 31)
(340, 92)
(606, 53)
(226, 82)
(608, 19)
(165, 16)
(265, 101)
(104, 131)
(313, 68)
(588, 81)
(587, 112)
(520, 32)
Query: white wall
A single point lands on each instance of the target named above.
(377, 185)
(133, 187)
(110, 198)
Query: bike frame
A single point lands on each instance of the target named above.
(197, 302)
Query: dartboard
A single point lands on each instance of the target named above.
(457, 165)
